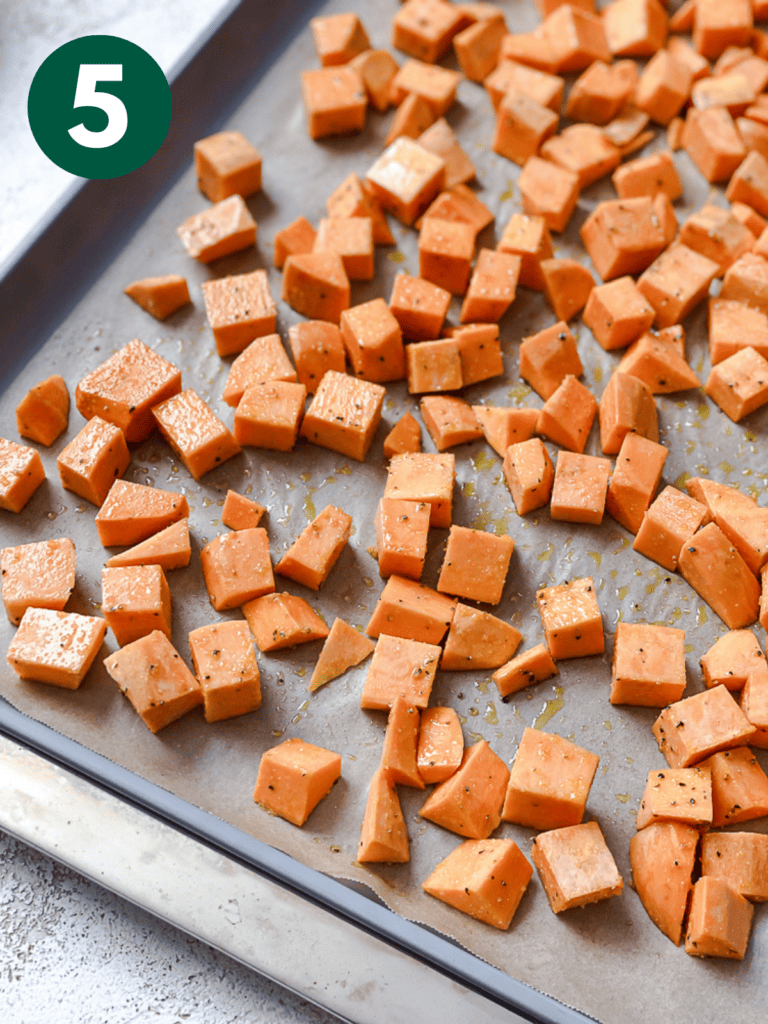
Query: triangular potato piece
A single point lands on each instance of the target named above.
(383, 837)
(405, 436)
(282, 620)
(441, 140)
(663, 857)
(343, 648)
(133, 512)
(658, 363)
(478, 640)
(170, 549)
(160, 296)
(503, 427)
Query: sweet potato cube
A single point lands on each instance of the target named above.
(338, 38)
(316, 285)
(419, 306)
(343, 648)
(344, 414)
(412, 118)
(237, 567)
(282, 620)
(648, 665)
(135, 601)
(680, 48)
(123, 389)
(440, 139)
(401, 537)
(627, 126)
(469, 802)
(43, 413)
(436, 85)
(529, 473)
(739, 384)
(544, 88)
(734, 326)
(716, 234)
(665, 85)
(648, 176)
(676, 282)
(373, 340)
(692, 729)
(522, 125)
(738, 516)
(627, 406)
(475, 565)
(623, 236)
(351, 238)
(754, 702)
(570, 614)
(195, 433)
(677, 794)
(528, 238)
(575, 866)
(479, 351)
(93, 459)
(549, 782)
(152, 675)
(227, 164)
(739, 785)
(411, 611)
(477, 47)
(405, 436)
(383, 835)
(133, 512)
(635, 28)
(400, 667)
(579, 488)
(663, 857)
(425, 28)
(459, 203)
(478, 640)
(37, 575)
(712, 141)
(719, 920)
(532, 666)
(719, 25)
(636, 476)
(422, 476)
(222, 229)
(316, 346)
(316, 550)
(483, 878)
(584, 150)
(598, 94)
(504, 427)
(575, 39)
(657, 362)
(377, 69)
(55, 647)
(441, 744)
(268, 415)
(550, 191)
(718, 573)
(491, 288)
(296, 239)
(294, 777)
(226, 668)
(160, 296)
(617, 313)
(433, 366)
(335, 101)
(738, 858)
(731, 660)
(264, 360)
(731, 92)
(747, 281)
(567, 286)
(352, 198)
(670, 522)
(169, 548)
(406, 178)
(445, 253)
(398, 754)
(548, 357)
(449, 421)
(567, 415)
(750, 218)
(239, 308)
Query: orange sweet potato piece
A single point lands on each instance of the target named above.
(399, 668)
(344, 414)
(548, 190)
(670, 522)
(441, 744)
(548, 357)
(731, 660)
(719, 25)
(401, 537)
(169, 548)
(677, 794)
(475, 565)
(425, 28)
(239, 308)
(648, 176)
(296, 239)
(419, 307)
(584, 150)
(268, 415)
(719, 921)
(237, 568)
(398, 755)
(522, 125)
(718, 573)
(314, 553)
(352, 239)
(712, 141)
(648, 665)
(491, 288)
(635, 28)
(528, 238)
(412, 611)
(446, 249)
(449, 421)
(405, 436)
(459, 203)
(746, 281)
(627, 406)
(544, 88)
(335, 101)
(160, 296)
(343, 648)
(135, 601)
(469, 802)
(352, 198)
(226, 668)
(617, 313)
(599, 93)
(93, 459)
(440, 139)
(282, 620)
(55, 647)
(478, 640)
(658, 363)
(37, 575)
(133, 512)
(406, 178)
(529, 473)
(579, 488)
(663, 857)
(716, 234)
(570, 614)
(636, 476)
(739, 786)
(43, 413)
(433, 366)
(503, 426)
(477, 46)
(623, 236)
(738, 858)
(567, 415)
(263, 360)
(226, 163)
(691, 729)
(294, 777)
(222, 229)
(733, 326)
(383, 835)
(575, 866)
(567, 286)
(195, 433)
(241, 513)
(739, 384)
(316, 285)
(377, 68)
(575, 39)
(338, 38)
(422, 476)
(373, 340)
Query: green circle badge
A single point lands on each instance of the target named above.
(99, 106)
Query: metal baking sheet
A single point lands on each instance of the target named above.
(246, 77)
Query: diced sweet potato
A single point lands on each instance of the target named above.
(401, 537)
(676, 282)
(135, 601)
(441, 744)
(445, 253)
(195, 433)
(567, 415)
(237, 568)
(351, 238)
(222, 229)
(470, 801)
(449, 421)
(575, 39)
(419, 306)
(627, 406)
(491, 288)
(459, 203)
(478, 640)
(373, 339)
(383, 835)
(344, 414)
(718, 573)
(635, 28)
(316, 285)
(665, 85)
(567, 286)
(297, 238)
(440, 139)
(343, 648)
(413, 117)
(670, 522)
(734, 326)
(239, 308)
(160, 296)
(738, 858)
(404, 437)
(436, 85)
(422, 476)
(377, 69)
(712, 141)
(475, 565)
(691, 729)
(731, 660)
(411, 611)
(241, 513)
(663, 857)
(169, 548)
(338, 38)
(599, 93)
(504, 427)
(226, 668)
(227, 163)
(739, 384)
(575, 866)
(133, 512)
(335, 101)
(479, 352)
(635, 478)
(648, 665)
(548, 190)
(648, 176)
(718, 25)
(584, 150)
(739, 786)
(570, 614)
(93, 459)
(617, 313)
(579, 488)
(37, 575)
(399, 668)
(522, 125)
(746, 281)
(268, 415)
(55, 647)
(719, 921)
(425, 28)
(532, 666)
(716, 234)
(43, 413)
(316, 550)
(283, 620)
(528, 238)
(352, 198)
(477, 47)
(406, 178)
(294, 777)
(398, 755)
(548, 357)
(677, 794)
(433, 366)
(657, 362)
(529, 474)
(623, 236)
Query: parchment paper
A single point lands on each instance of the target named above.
(608, 960)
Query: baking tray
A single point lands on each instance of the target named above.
(92, 223)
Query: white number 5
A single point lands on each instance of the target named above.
(86, 95)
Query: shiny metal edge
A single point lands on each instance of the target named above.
(275, 932)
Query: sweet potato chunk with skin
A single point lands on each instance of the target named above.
(449, 421)
(658, 363)
(663, 857)
(383, 836)
(296, 239)
(731, 660)
(504, 427)
(441, 744)
(338, 38)
(316, 550)
(718, 574)
(335, 101)
(135, 601)
(411, 611)
(43, 413)
(550, 191)
(635, 478)
(152, 675)
(579, 488)
(570, 614)
(123, 389)
(529, 473)
(169, 548)
(222, 229)
(627, 406)
(617, 313)
(491, 288)
(734, 326)
(398, 754)
(677, 794)
(440, 139)
(241, 513)
(712, 141)
(648, 176)
(719, 921)
(567, 286)
(237, 568)
(373, 340)
(268, 415)
(549, 782)
(739, 384)
(405, 436)
(548, 357)
(419, 306)
(422, 476)
(37, 575)
(483, 878)
(55, 647)
(475, 564)
(400, 668)
(226, 163)
(343, 648)
(282, 620)
(469, 802)
(344, 414)
(575, 866)
(401, 537)
(133, 512)
(316, 346)
(478, 640)
(692, 729)
(226, 668)
(670, 522)
(195, 433)
(739, 786)
(623, 236)
(567, 415)
(352, 239)
(406, 178)
(263, 360)
(532, 666)
(93, 459)
(239, 308)
(740, 859)
(294, 777)
(648, 665)
(528, 238)
(316, 285)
